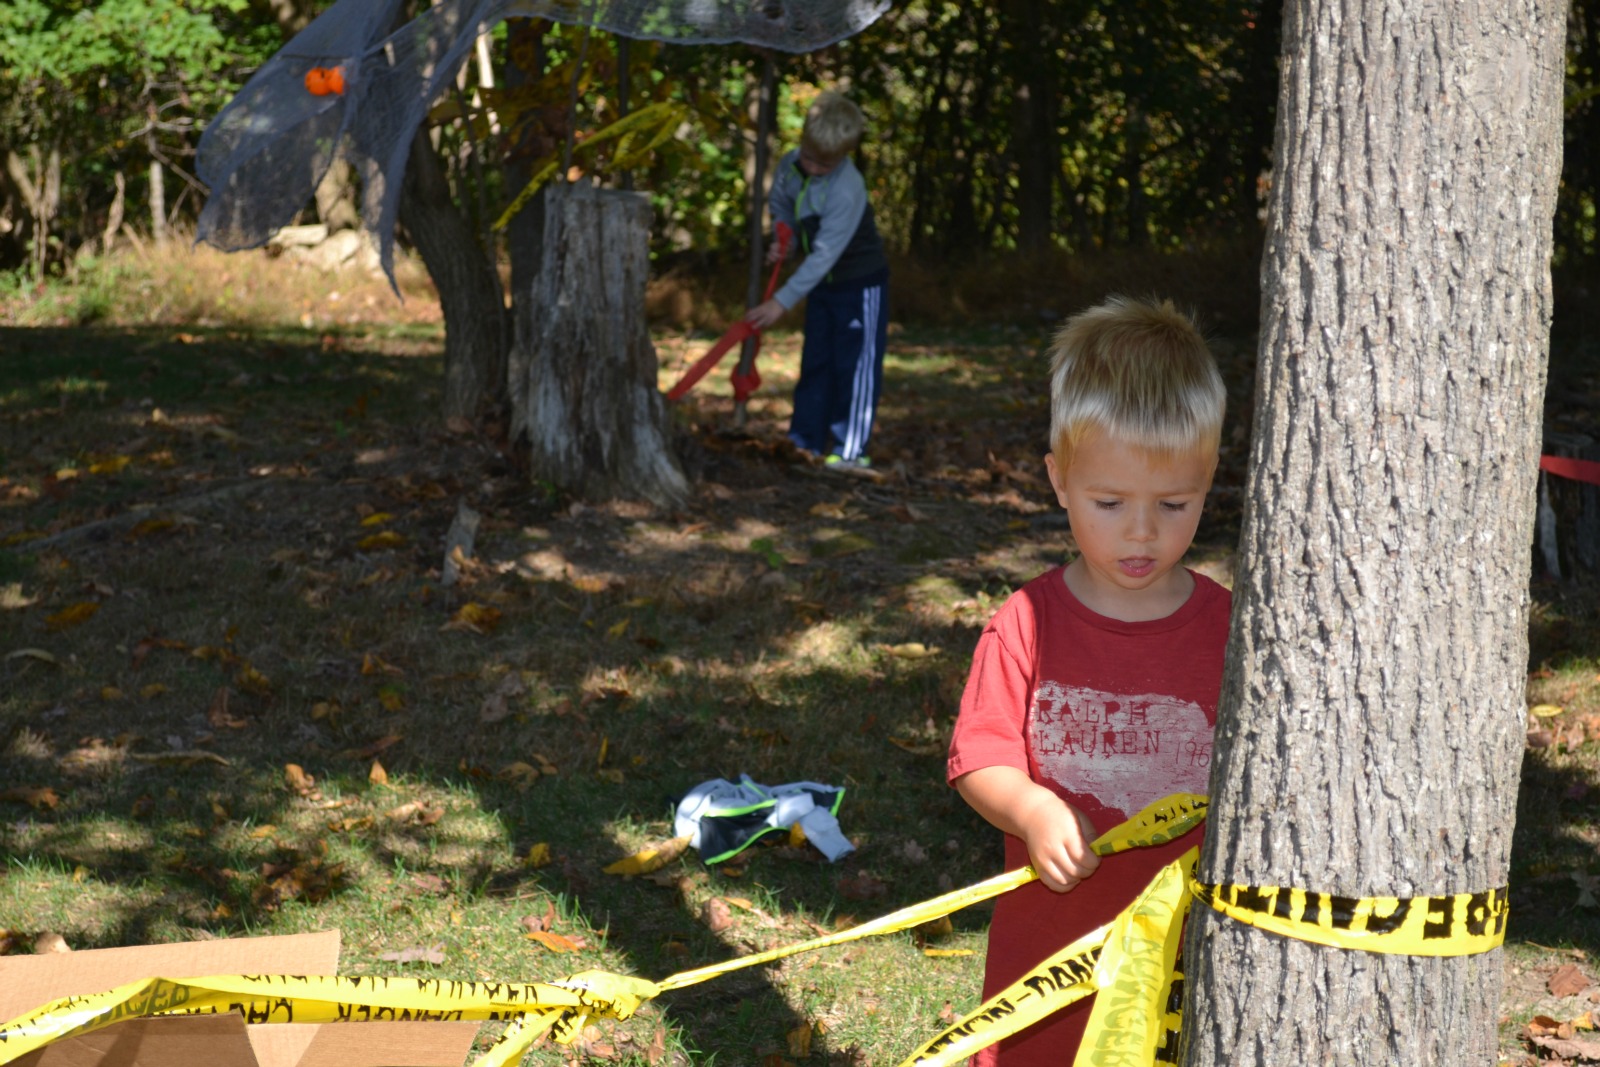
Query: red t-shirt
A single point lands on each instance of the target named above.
(1110, 715)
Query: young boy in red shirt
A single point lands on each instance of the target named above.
(1093, 690)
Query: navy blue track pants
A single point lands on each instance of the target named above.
(841, 369)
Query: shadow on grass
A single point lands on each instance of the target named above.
(220, 503)
(263, 563)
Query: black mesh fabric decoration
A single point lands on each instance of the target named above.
(264, 154)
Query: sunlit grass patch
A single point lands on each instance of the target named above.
(258, 707)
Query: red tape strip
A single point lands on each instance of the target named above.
(735, 335)
(1579, 470)
(743, 384)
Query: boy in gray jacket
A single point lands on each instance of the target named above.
(845, 275)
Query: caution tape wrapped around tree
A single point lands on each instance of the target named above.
(1130, 963)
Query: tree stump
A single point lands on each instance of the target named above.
(582, 368)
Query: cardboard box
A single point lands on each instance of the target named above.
(30, 982)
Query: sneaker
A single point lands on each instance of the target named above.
(860, 467)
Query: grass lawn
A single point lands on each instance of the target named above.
(237, 696)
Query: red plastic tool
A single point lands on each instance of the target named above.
(743, 384)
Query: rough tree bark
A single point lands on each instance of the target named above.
(476, 323)
(1372, 714)
(583, 370)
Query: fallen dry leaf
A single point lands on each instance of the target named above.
(72, 615)
(35, 654)
(538, 856)
(428, 882)
(501, 703)
(537, 924)
(556, 942)
(520, 774)
(218, 717)
(185, 758)
(862, 886)
(147, 645)
(799, 1041)
(911, 650)
(474, 618)
(1568, 981)
(372, 749)
(592, 1044)
(38, 799)
(377, 775)
(650, 859)
(253, 681)
(298, 779)
(147, 527)
(933, 929)
(379, 541)
(372, 663)
(48, 943)
(417, 813)
(1569, 1048)
(716, 915)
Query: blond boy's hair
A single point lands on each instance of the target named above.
(833, 128)
(1139, 371)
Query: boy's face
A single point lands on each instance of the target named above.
(1133, 516)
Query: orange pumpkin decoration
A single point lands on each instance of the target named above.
(323, 81)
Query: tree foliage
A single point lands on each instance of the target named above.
(109, 86)
(1014, 125)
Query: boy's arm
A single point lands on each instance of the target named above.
(781, 204)
(841, 214)
(1056, 833)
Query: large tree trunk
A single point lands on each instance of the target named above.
(1371, 722)
(476, 332)
(583, 370)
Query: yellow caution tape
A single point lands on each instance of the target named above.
(1135, 972)
(1156, 824)
(1457, 924)
(558, 1008)
(1065, 978)
(1165, 820)
(331, 999)
(1131, 962)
